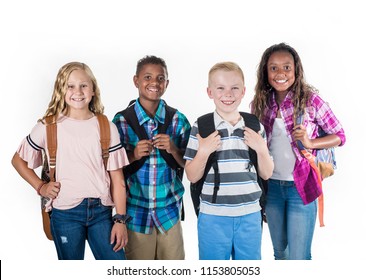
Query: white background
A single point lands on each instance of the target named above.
(38, 37)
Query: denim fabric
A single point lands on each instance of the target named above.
(223, 237)
(91, 221)
(291, 223)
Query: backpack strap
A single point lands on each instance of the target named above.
(206, 126)
(105, 137)
(252, 122)
(130, 116)
(51, 137)
(170, 160)
(51, 132)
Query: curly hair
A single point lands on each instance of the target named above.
(301, 89)
(58, 103)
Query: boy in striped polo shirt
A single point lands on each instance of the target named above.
(230, 228)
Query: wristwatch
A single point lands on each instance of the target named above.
(122, 219)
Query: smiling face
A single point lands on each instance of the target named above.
(151, 82)
(281, 71)
(79, 92)
(227, 89)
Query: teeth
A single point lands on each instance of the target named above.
(78, 99)
(153, 89)
(228, 102)
(281, 81)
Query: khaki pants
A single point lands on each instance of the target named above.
(156, 246)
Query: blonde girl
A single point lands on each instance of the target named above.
(84, 194)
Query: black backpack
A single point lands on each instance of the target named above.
(205, 127)
(130, 116)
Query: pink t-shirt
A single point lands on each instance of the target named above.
(79, 163)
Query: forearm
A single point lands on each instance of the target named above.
(265, 165)
(195, 168)
(118, 191)
(327, 141)
(25, 172)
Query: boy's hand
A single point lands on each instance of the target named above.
(142, 149)
(254, 140)
(163, 142)
(209, 144)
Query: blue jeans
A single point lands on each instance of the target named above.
(91, 221)
(222, 237)
(291, 223)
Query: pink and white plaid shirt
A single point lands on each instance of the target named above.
(317, 114)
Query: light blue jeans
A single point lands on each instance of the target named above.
(222, 238)
(91, 221)
(291, 223)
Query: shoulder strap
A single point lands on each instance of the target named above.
(130, 116)
(169, 114)
(206, 126)
(105, 137)
(51, 132)
(252, 122)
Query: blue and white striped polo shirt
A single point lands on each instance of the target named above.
(239, 191)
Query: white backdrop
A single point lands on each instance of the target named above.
(38, 37)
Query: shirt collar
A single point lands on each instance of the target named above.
(143, 117)
(218, 120)
(287, 101)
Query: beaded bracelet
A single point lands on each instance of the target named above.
(40, 187)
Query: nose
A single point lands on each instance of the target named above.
(156, 80)
(228, 92)
(78, 89)
(281, 72)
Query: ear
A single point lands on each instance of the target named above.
(135, 81)
(209, 93)
(167, 83)
(244, 89)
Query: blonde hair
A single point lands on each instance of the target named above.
(225, 66)
(58, 103)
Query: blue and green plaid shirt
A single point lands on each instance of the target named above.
(155, 192)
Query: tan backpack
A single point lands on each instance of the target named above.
(48, 170)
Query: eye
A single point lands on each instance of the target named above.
(220, 88)
(273, 68)
(287, 67)
(147, 78)
(70, 86)
(161, 78)
(235, 88)
(84, 85)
